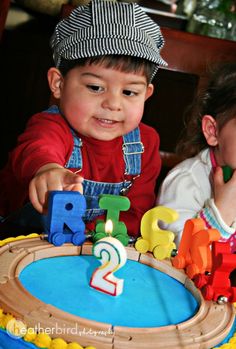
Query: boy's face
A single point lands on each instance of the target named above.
(100, 102)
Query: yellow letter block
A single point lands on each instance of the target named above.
(154, 239)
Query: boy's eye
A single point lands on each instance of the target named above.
(95, 88)
(129, 93)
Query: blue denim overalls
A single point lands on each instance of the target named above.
(132, 147)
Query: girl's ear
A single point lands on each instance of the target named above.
(55, 80)
(209, 129)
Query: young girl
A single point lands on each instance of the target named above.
(196, 186)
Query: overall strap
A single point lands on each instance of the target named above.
(75, 160)
(53, 110)
(132, 150)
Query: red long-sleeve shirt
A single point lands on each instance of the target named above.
(48, 139)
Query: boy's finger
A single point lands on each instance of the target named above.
(78, 187)
(73, 178)
(33, 196)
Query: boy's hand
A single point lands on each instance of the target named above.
(225, 196)
(52, 177)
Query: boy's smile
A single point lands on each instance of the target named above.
(100, 102)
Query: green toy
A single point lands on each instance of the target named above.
(113, 204)
(227, 173)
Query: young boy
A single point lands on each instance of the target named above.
(105, 54)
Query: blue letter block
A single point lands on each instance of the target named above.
(64, 219)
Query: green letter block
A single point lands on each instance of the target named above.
(113, 204)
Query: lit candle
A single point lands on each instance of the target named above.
(112, 255)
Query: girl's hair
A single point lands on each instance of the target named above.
(120, 62)
(218, 100)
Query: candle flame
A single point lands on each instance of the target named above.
(109, 227)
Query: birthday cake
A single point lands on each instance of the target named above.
(30, 317)
(54, 294)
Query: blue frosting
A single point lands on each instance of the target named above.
(147, 299)
(150, 298)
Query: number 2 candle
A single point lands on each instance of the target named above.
(112, 255)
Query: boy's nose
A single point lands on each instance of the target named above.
(112, 101)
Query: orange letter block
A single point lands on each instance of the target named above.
(194, 254)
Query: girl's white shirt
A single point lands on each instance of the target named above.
(188, 189)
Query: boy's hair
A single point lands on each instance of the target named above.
(123, 63)
(218, 100)
(106, 28)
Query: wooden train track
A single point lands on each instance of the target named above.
(207, 328)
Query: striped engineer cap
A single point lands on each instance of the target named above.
(108, 28)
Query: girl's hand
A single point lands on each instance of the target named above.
(225, 196)
(52, 177)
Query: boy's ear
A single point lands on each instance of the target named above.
(209, 129)
(149, 92)
(55, 79)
